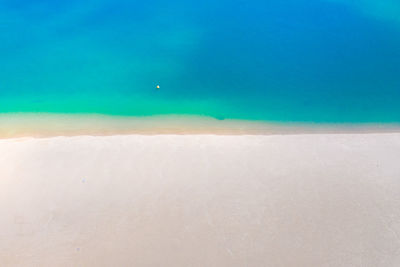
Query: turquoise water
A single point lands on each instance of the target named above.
(294, 60)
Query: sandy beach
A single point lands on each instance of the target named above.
(199, 133)
(201, 200)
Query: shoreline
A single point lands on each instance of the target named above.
(42, 125)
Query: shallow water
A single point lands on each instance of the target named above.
(295, 60)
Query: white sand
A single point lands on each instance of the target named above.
(198, 200)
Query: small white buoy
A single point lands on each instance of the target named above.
(158, 87)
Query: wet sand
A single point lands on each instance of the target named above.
(50, 125)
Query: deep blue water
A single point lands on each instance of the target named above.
(293, 60)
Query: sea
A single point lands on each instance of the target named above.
(312, 61)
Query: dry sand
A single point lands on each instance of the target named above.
(201, 200)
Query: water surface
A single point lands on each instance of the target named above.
(286, 61)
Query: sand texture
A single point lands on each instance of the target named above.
(201, 200)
